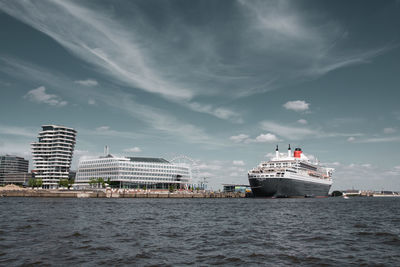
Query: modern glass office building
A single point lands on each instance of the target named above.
(52, 154)
(19, 178)
(12, 164)
(134, 172)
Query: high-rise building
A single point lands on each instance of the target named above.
(12, 164)
(52, 154)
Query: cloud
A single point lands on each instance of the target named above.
(115, 48)
(209, 166)
(91, 101)
(311, 157)
(365, 176)
(218, 172)
(297, 105)
(394, 172)
(299, 133)
(88, 82)
(78, 152)
(397, 114)
(106, 131)
(239, 138)
(302, 121)
(379, 139)
(166, 123)
(13, 147)
(289, 44)
(17, 131)
(349, 60)
(40, 96)
(238, 162)
(161, 120)
(262, 138)
(288, 132)
(133, 149)
(351, 139)
(221, 112)
(103, 128)
(389, 130)
(266, 138)
(336, 163)
(155, 118)
(237, 169)
(270, 155)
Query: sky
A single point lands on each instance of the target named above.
(219, 82)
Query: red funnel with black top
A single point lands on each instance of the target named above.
(297, 153)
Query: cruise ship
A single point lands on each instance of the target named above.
(287, 175)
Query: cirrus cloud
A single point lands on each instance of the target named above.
(136, 52)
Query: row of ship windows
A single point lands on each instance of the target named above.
(266, 176)
(278, 164)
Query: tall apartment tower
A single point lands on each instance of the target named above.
(12, 164)
(52, 154)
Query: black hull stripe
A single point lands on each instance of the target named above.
(284, 187)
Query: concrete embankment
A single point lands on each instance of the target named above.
(115, 194)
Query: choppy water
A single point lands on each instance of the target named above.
(91, 232)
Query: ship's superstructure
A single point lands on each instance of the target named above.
(287, 175)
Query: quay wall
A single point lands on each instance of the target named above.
(117, 194)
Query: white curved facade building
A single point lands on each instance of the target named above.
(134, 172)
(52, 154)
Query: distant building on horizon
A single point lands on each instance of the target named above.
(52, 154)
(11, 164)
(234, 188)
(134, 172)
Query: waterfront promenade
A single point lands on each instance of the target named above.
(15, 191)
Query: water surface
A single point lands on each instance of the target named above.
(92, 232)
